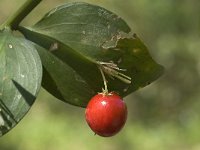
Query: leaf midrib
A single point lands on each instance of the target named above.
(60, 42)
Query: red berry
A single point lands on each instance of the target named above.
(106, 114)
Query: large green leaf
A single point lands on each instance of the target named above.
(20, 79)
(82, 37)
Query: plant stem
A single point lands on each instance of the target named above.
(21, 13)
(105, 91)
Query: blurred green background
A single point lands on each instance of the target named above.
(164, 115)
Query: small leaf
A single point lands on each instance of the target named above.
(83, 37)
(20, 79)
(62, 81)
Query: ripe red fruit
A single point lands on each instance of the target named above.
(106, 114)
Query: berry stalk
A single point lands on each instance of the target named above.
(105, 90)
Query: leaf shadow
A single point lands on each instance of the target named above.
(5, 113)
(28, 97)
(7, 116)
(6, 110)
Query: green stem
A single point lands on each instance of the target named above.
(105, 91)
(21, 13)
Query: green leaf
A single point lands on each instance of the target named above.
(62, 81)
(20, 79)
(83, 37)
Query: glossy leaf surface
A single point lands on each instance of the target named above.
(20, 79)
(84, 37)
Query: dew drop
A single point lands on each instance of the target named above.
(10, 46)
(22, 75)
